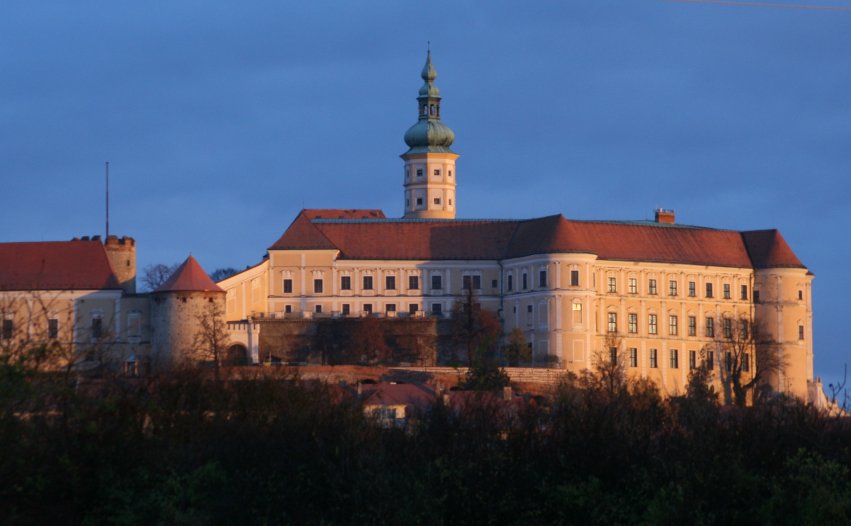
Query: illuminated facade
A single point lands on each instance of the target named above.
(660, 296)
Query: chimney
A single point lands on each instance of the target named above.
(665, 216)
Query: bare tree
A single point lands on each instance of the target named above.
(747, 358)
(610, 363)
(211, 338)
(475, 328)
(155, 275)
(517, 348)
(223, 273)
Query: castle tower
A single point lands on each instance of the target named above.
(121, 253)
(186, 304)
(429, 163)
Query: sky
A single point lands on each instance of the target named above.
(221, 120)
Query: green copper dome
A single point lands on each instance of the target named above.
(429, 134)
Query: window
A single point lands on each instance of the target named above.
(437, 200)
(574, 278)
(529, 309)
(525, 282)
(288, 286)
(53, 328)
(633, 357)
(419, 201)
(436, 309)
(437, 171)
(288, 309)
(726, 290)
(692, 289)
(8, 329)
(744, 292)
(134, 325)
(436, 282)
(613, 355)
(346, 282)
(673, 325)
(692, 326)
(346, 309)
(471, 281)
(651, 286)
(675, 359)
(577, 313)
(390, 282)
(367, 308)
(632, 322)
(746, 362)
(743, 329)
(709, 290)
(800, 295)
(728, 361)
(728, 328)
(542, 279)
(317, 309)
(652, 327)
(413, 282)
(367, 283)
(510, 284)
(800, 332)
(672, 288)
(419, 173)
(97, 326)
(756, 296)
(613, 284)
(633, 286)
(390, 307)
(654, 359)
(710, 328)
(413, 308)
(613, 322)
(710, 360)
(494, 283)
(317, 286)
(692, 359)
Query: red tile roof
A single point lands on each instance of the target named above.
(55, 265)
(388, 239)
(768, 249)
(189, 277)
(416, 396)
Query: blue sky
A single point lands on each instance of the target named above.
(222, 119)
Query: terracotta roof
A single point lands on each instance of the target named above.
(55, 265)
(189, 277)
(416, 396)
(406, 239)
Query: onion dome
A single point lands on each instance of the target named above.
(429, 134)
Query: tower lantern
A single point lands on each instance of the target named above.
(430, 177)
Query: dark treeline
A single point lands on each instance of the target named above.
(188, 450)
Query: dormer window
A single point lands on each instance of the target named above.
(437, 171)
(419, 172)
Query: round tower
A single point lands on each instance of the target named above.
(187, 318)
(430, 177)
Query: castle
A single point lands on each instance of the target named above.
(659, 297)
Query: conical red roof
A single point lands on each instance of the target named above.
(189, 277)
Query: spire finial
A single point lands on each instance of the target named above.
(428, 46)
